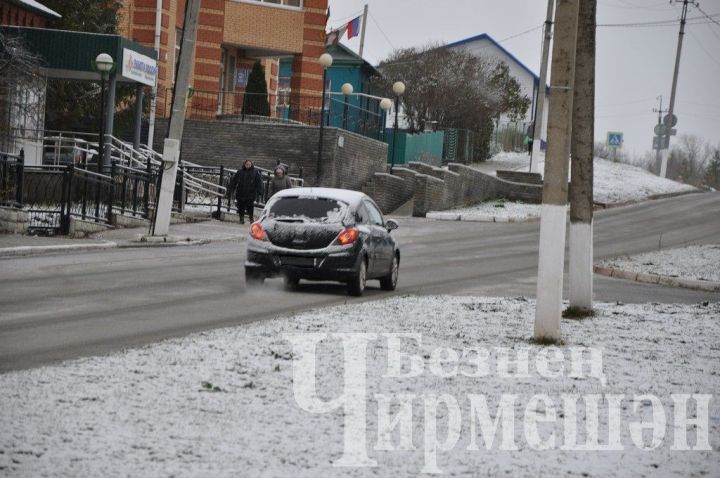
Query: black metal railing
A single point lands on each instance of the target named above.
(44, 198)
(358, 114)
(53, 194)
(202, 196)
(11, 179)
(89, 195)
(135, 190)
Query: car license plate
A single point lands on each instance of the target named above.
(297, 261)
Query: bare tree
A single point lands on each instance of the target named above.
(22, 93)
(454, 88)
(688, 160)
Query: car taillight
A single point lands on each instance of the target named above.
(257, 232)
(347, 236)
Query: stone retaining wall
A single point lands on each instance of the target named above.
(13, 220)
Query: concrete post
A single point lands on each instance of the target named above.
(553, 215)
(139, 94)
(581, 183)
(171, 151)
(109, 121)
(542, 91)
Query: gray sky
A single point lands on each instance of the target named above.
(634, 63)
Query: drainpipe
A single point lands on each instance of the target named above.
(153, 99)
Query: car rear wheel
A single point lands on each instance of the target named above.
(356, 286)
(253, 279)
(389, 282)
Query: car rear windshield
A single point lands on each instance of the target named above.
(308, 209)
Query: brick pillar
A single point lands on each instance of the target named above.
(206, 78)
(306, 82)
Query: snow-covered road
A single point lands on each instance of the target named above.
(222, 403)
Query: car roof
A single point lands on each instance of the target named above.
(344, 195)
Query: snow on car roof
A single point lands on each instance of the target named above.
(343, 195)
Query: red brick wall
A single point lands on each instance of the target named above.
(13, 15)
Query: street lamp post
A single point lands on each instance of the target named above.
(347, 90)
(103, 64)
(325, 61)
(385, 105)
(398, 88)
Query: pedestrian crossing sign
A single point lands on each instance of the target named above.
(614, 139)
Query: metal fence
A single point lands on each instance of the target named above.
(54, 193)
(201, 185)
(359, 114)
(11, 179)
(134, 191)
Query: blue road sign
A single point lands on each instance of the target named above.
(614, 139)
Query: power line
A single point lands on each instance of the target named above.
(382, 31)
(702, 47)
(661, 23)
(483, 47)
(632, 6)
(522, 33)
(709, 17)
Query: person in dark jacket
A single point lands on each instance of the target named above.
(248, 187)
(279, 182)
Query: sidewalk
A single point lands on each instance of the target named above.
(185, 234)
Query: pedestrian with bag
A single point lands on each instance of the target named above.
(248, 187)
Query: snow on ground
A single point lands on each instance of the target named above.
(221, 403)
(498, 210)
(613, 182)
(692, 262)
(619, 182)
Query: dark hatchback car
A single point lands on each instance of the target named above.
(323, 234)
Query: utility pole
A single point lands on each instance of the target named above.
(553, 213)
(362, 30)
(659, 137)
(670, 118)
(153, 95)
(542, 91)
(581, 183)
(171, 150)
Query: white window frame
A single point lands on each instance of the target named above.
(266, 3)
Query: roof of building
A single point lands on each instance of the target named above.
(71, 55)
(485, 36)
(343, 56)
(36, 7)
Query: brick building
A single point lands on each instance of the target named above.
(232, 35)
(25, 13)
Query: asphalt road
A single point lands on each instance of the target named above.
(64, 306)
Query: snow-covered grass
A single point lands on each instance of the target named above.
(613, 182)
(692, 262)
(491, 211)
(619, 182)
(221, 403)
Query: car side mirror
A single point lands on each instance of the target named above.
(391, 224)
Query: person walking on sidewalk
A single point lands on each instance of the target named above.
(279, 182)
(248, 187)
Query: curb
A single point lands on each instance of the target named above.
(707, 286)
(478, 218)
(20, 251)
(653, 197)
(24, 251)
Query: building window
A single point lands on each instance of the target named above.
(285, 3)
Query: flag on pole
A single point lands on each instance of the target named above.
(334, 36)
(353, 27)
